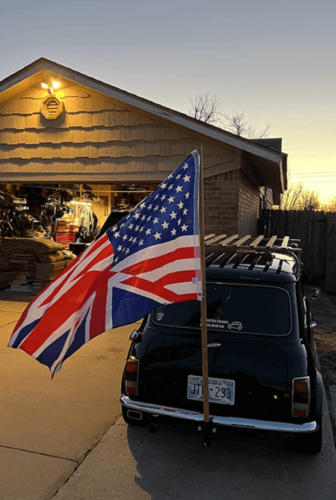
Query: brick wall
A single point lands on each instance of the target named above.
(249, 203)
(221, 202)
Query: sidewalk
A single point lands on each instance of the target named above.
(48, 426)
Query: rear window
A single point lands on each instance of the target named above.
(240, 308)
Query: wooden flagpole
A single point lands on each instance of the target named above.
(204, 332)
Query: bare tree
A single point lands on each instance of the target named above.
(309, 200)
(206, 108)
(290, 199)
(331, 207)
(236, 123)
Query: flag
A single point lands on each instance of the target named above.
(150, 257)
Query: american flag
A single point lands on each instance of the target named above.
(150, 257)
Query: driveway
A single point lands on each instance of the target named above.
(48, 426)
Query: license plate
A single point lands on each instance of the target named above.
(221, 391)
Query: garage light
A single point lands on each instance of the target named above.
(56, 85)
(44, 86)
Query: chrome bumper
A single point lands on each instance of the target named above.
(195, 416)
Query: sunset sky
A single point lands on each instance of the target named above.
(274, 61)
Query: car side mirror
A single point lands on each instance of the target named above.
(314, 293)
(134, 335)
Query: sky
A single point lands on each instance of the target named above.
(274, 61)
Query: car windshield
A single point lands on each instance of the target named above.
(240, 308)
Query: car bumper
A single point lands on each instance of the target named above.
(194, 416)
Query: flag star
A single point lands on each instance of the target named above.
(156, 208)
(117, 234)
(184, 227)
(163, 209)
(124, 237)
(173, 232)
(156, 220)
(142, 205)
(180, 205)
(134, 239)
(137, 228)
(131, 226)
(163, 185)
(173, 215)
(157, 236)
(179, 222)
(114, 228)
(163, 197)
(141, 242)
(143, 217)
(148, 231)
(185, 166)
(141, 229)
(150, 206)
(149, 218)
(165, 225)
(127, 250)
(122, 225)
(119, 248)
(187, 195)
(186, 178)
(156, 197)
(178, 189)
(136, 215)
(171, 199)
(185, 211)
(170, 187)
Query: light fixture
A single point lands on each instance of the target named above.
(55, 85)
(81, 203)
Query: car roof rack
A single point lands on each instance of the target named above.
(252, 251)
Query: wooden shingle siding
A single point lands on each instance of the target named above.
(95, 135)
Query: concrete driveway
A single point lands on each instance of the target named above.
(48, 426)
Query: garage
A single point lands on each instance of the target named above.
(74, 150)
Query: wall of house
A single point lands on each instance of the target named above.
(94, 140)
(221, 202)
(249, 206)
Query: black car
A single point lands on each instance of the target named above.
(261, 353)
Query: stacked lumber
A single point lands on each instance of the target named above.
(39, 261)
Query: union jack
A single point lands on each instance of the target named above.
(150, 257)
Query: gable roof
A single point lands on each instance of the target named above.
(270, 165)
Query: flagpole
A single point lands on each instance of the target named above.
(204, 332)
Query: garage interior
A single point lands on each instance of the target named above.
(44, 227)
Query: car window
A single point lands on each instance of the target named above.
(241, 308)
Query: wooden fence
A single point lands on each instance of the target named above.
(317, 232)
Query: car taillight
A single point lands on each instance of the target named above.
(131, 376)
(300, 397)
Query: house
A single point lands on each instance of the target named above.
(59, 126)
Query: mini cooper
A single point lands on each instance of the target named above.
(261, 353)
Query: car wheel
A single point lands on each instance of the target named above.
(141, 418)
(310, 443)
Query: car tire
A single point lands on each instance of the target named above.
(310, 443)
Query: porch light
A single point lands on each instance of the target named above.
(56, 85)
(44, 86)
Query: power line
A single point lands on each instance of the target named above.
(316, 154)
(317, 146)
(314, 174)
